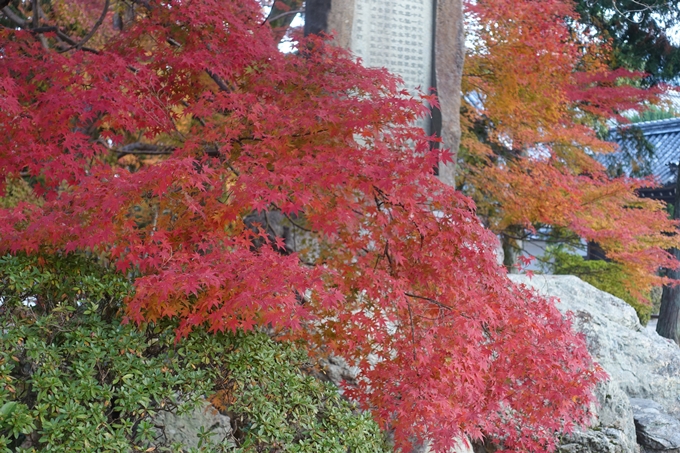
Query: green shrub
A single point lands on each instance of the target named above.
(277, 407)
(74, 378)
(605, 275)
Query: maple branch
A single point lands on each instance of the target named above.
(387, 254)
(432, 301)
(145, 148)
(14, 17)
(295, 224)
(413, 330)
(282, 15)
(63, 36)
(220, 83)
(96, 26)
(235, 171)
(36, 14)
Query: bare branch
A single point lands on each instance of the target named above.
(432, 301)
(36, 14)
(287, 13)
(220, 83)
(96, 26)
(14, 17)
(61, 35)
(145, 148)
(413, 331)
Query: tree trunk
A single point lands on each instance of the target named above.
(668, 324)
(512, 248)
(449, 58)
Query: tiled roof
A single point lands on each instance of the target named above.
(664, 136)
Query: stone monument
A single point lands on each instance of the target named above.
(420, 40)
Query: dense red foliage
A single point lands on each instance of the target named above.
(400, 276)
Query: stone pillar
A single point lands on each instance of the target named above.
(414, 39)
(449, 57)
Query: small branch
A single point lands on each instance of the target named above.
(279, 16)
(387, 254)
(96, 26)
(297, 225)
(432, 301)
(36, 14)
(413, 330)
(145, 148)
(220, 83)
(63, 36)
(14, 17)
(235, 171)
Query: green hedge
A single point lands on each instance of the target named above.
(605, 275)
(73, 377)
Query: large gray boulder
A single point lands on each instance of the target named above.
(612, 429)
(640, 363)
(656, 431)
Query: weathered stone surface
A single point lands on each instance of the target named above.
(642, 363)
(449, 59)
(184, 429)
(656, 430)
(612, 430)
(340, 20)
(639, 362)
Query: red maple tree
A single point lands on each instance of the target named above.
(152, 147)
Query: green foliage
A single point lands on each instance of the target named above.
(17, 190)
(277, 407)
(605, 275)
(75, 379)
(75, 382)
(640, 34)
(654, 113)
(48, 281)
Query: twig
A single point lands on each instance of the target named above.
(432, 301)
(145, 148)
(220, 83)
(236, 172)
(413, 330)
(279, 16)
(96, 26)
(293, 222)
(63, 36)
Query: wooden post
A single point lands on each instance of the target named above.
(668, 325)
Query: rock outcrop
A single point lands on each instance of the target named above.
(185, 430)
(656, 431)
(640, 364)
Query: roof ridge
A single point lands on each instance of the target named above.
(653, 122)
(651, 126)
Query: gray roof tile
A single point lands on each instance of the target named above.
(664, 136)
